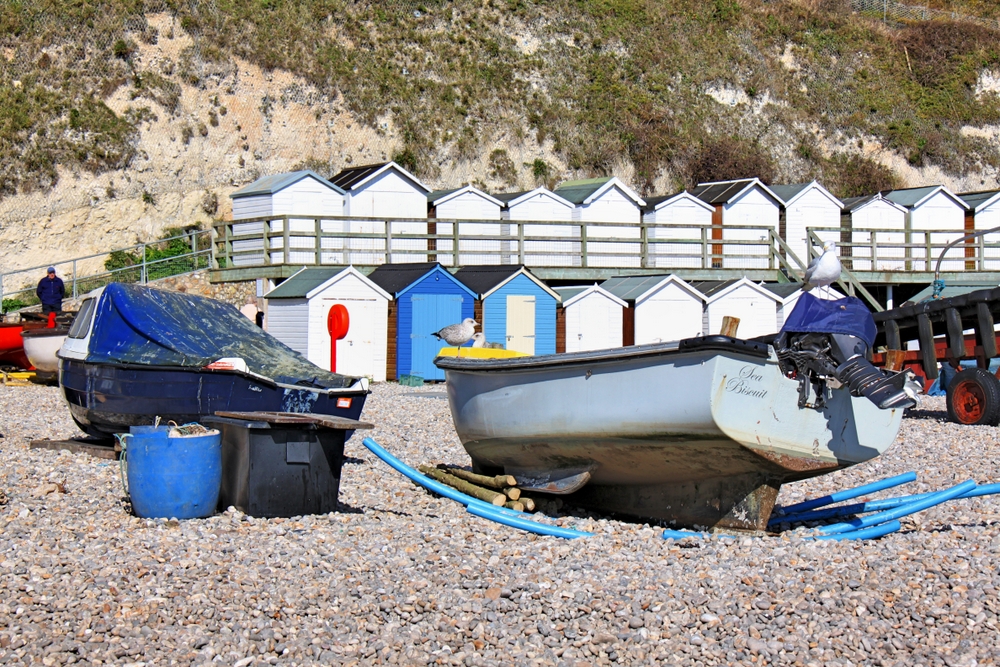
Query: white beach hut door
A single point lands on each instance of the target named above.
(356, 351)
(594, 328)
(521, 323)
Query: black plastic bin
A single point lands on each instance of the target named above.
(281, 464)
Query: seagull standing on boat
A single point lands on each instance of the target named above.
(824, 270)
(458, 334)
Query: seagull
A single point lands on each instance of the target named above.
(458, 334)
(479, 339)
(824, 270)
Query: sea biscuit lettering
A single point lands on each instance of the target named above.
(745, 383)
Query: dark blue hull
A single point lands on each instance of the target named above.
(105, 399)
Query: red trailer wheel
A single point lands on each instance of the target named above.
(974, 398)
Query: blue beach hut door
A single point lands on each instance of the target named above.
(431, 313)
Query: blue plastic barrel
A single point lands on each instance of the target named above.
(173, 477)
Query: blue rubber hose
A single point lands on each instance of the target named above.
(901, 511)
(525, 524)
(848, 494)
(873, 506)
(669, 534)
(869, 533)
(428, 483)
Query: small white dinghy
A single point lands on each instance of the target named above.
(41, 346)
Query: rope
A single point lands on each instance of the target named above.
(938, 288)
(120, 437)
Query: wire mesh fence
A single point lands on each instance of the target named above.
(898, 12)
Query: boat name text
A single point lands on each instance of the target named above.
(745, 383)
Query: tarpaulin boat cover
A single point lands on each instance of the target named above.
(141, 325)
(842, 316)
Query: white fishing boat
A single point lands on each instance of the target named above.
(701, 432)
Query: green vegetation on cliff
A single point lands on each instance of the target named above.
(696, 89)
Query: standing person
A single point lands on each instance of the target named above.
(51, 292)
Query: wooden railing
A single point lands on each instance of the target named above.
(882, 250)
(299, 240)
(133, 264)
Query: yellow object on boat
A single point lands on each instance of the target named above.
(480, 353)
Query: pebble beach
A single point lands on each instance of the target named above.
(401, 576)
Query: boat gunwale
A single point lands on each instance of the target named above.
(45, 333)
(224, 371)
(723, 344)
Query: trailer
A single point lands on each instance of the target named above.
(947, 330)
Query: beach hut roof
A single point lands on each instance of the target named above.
(914, 197)
(571, 295)
(977, 201)
(268, 185)
(658, 202)
(722, 192)
(485, 279)
(397, 278)
(356, 177)
(789, 193)
(441, 196)
(586, 191)
(514, 198)
(852, 204)
(637, 288)
(717, 289)
(310, 281)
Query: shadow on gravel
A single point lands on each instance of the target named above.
(938, 415)
(353, 460)
(344, 508)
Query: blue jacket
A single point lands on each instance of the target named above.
(51, 292)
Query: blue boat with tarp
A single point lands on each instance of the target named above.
(135, 354)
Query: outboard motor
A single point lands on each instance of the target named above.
(825, 344)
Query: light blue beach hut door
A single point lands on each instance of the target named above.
(431, 313)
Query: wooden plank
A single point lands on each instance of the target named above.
(984, 330)
(328, 421)
(956, 340)
(391, 343)
(927, 353)
(101, 449)
(892, 339)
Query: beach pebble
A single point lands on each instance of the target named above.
(401, 576)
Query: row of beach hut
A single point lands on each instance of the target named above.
(394, 310)
(389, 191)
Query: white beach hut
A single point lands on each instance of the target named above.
(661, 308)
(984, 209)
(542, 241)
(756, 306)
(874, 222)
(932, 208)
(387, 191)
(590, 318)
(445, 207)
(598, 200)
(676, 217)
(299, 193)
(740, 204)
(805, 205)
(299, 307)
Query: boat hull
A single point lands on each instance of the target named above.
(105, 399)
(690, 437)
(12, 346)
(41, 347)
